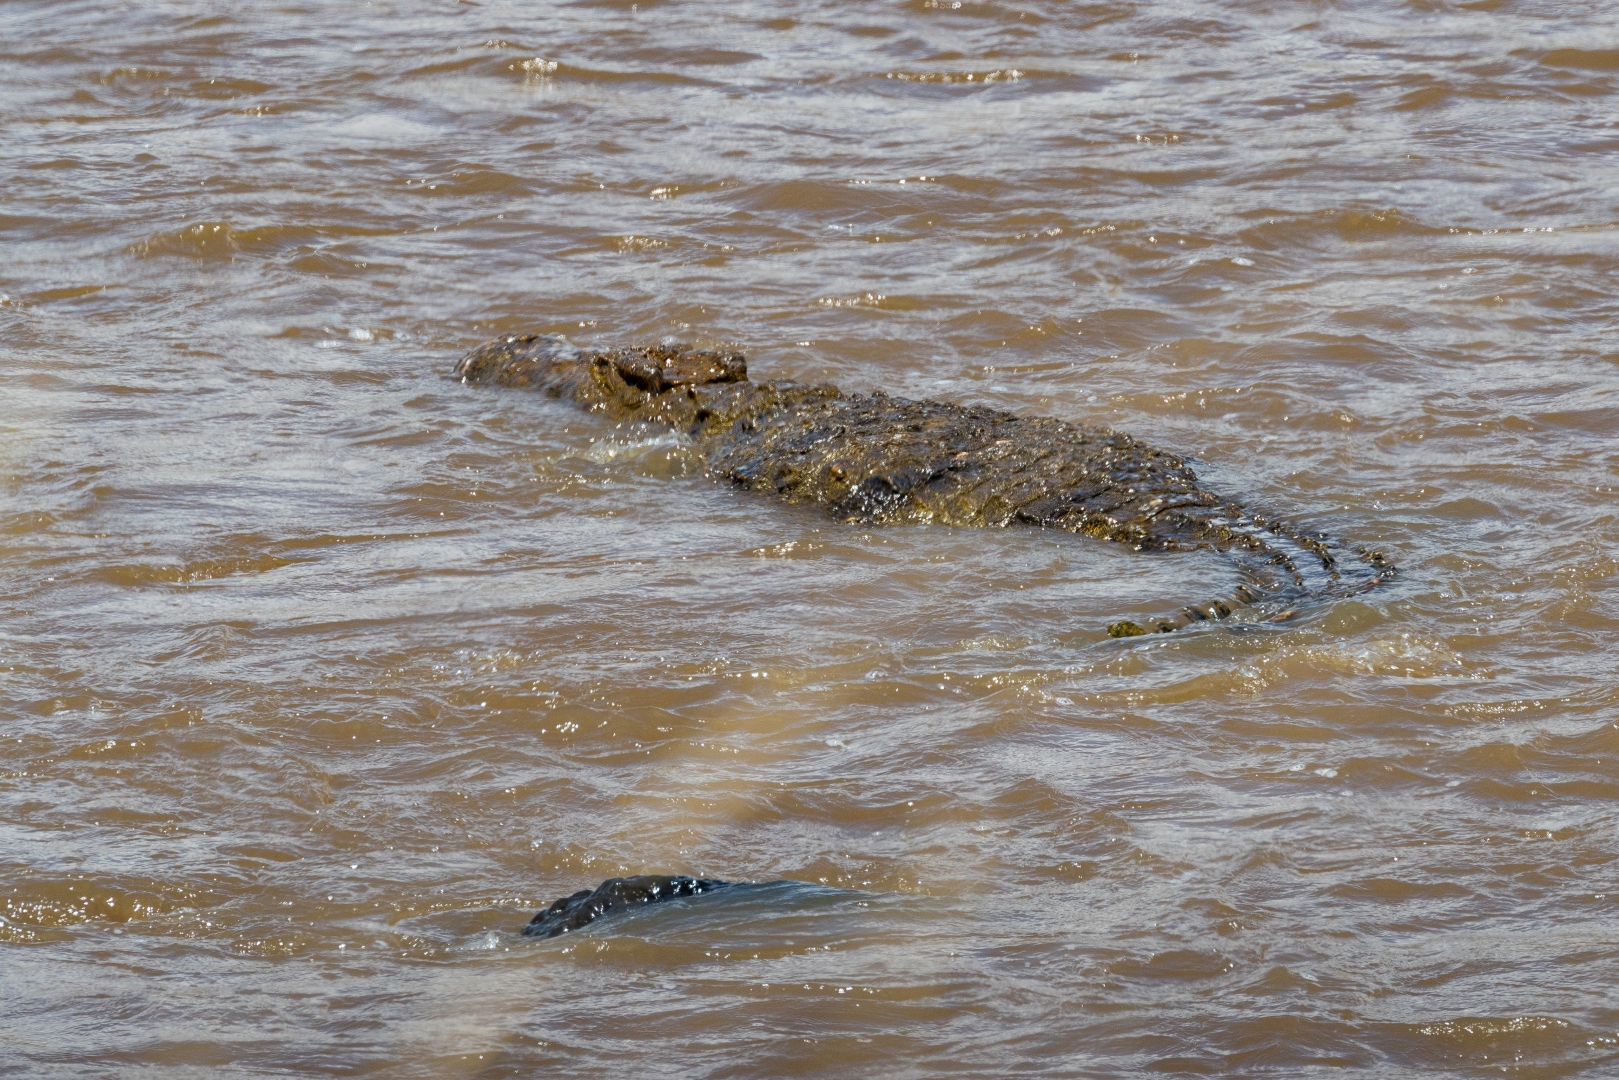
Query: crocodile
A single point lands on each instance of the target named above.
(880, 459)
(614, 895)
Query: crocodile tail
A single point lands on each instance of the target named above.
(1243, 595)
(1281, 562)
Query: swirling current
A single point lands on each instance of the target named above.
(321, 673)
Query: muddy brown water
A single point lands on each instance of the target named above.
(319, 672)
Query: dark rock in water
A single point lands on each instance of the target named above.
(878, 459)
(614, 894)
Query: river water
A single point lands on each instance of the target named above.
(320, 672)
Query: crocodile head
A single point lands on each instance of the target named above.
(659, 368)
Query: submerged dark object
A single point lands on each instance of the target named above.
(878, 459)
(614, 894)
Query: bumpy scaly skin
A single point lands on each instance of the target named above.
(615, 894)
(879, 459)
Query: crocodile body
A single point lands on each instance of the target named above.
(614, 895)
(878, 459)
